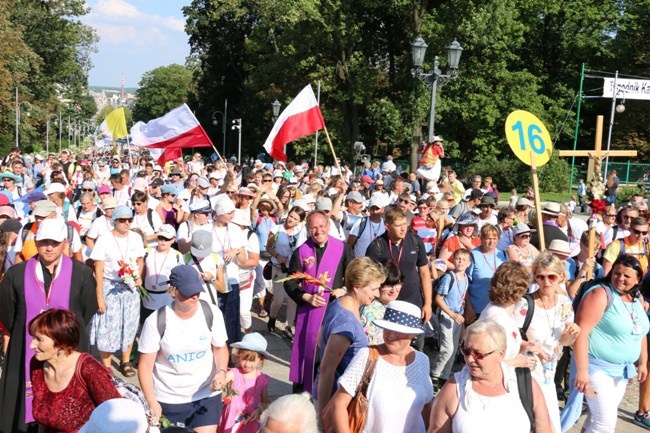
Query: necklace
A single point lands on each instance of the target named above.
(119, 248)
(548, 319)
(488, 398)
(494, 260)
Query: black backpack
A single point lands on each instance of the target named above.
(161, 319)
(529, 316)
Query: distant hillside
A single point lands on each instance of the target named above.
(112, 89)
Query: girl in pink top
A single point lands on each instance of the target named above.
(246, 394)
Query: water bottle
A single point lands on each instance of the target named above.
(549, 366)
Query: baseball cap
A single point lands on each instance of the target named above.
(474, 194)
(118, 415)
(355, 196)
(11, 225)
(201, 243)
(54, 188)
(167, 231)
(109, 203)
(200, 206)
(186, 279)
(7, 211)
(43, 208)
(156, 182)
(324, 204)
(104, 189)
(53, 229)
(367, 179)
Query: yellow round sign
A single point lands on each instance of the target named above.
(528, 138)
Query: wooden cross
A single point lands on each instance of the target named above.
(597, 155)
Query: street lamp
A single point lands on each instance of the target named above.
(236, 124)
(276, 110)
(57, 121)
(18, 104)
(616, 108)
(434, 78)
(224, 119)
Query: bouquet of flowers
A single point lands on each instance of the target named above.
(129, 274)
(596, 194)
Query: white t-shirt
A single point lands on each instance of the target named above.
(227, 238)
(187, 229)
(122, 196)
(141, 221)
(85, 220)
(184, 366)
(370, 232)
(157, 268)
(209, 265)
(100, 226)
(110, 249)
(505, 319)
(387, 414)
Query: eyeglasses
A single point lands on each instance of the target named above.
(138, 203)
(552, 278)
(526, 236)
(639, 232)
(163, 239)
(405, 201)
(478, 356)
(124, 220)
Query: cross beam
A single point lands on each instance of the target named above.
(597, 155)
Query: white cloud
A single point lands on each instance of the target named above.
(121, 10)
(130, 35)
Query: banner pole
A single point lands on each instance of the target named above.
(336, 161)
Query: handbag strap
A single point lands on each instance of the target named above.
(373, 356)
(207, 285)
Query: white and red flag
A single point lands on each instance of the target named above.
(167, 136)
(301, 118)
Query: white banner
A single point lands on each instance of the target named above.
(627, 88)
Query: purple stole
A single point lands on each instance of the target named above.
(35, 303)
(309, 318)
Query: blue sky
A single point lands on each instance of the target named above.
(135, 36)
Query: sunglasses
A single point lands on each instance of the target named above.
(478, 356)
(163, 239)
(231, 192)
(138, 203)
(124, 220)
(639, 232)
(169, 193)
(88, 190)
(8, 180)
(405, 201)
(550, 277)
(267, 180)
(524, 236)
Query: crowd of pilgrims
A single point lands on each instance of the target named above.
(348, 264)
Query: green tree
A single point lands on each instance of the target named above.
(161, 90)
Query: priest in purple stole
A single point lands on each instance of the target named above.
(324, 258)
(48, 280)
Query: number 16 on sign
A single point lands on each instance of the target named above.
(530, 141)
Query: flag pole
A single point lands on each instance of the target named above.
(336, 160)
(206, 135)
(316, 147)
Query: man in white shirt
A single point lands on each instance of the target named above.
(368, 228)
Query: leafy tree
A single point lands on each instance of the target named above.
(161, 90)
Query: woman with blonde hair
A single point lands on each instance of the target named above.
(342, 334)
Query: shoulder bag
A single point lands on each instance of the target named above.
(358, 406)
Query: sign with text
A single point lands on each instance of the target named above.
(528, 138)
(627, 88)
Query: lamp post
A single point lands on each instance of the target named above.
(616, 108)
(236, 124)
(57, 121)
(224, 119)
(434, 78)
(275, 106)
(18, 104)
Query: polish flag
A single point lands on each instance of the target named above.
(167, 136)
(301, 118)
